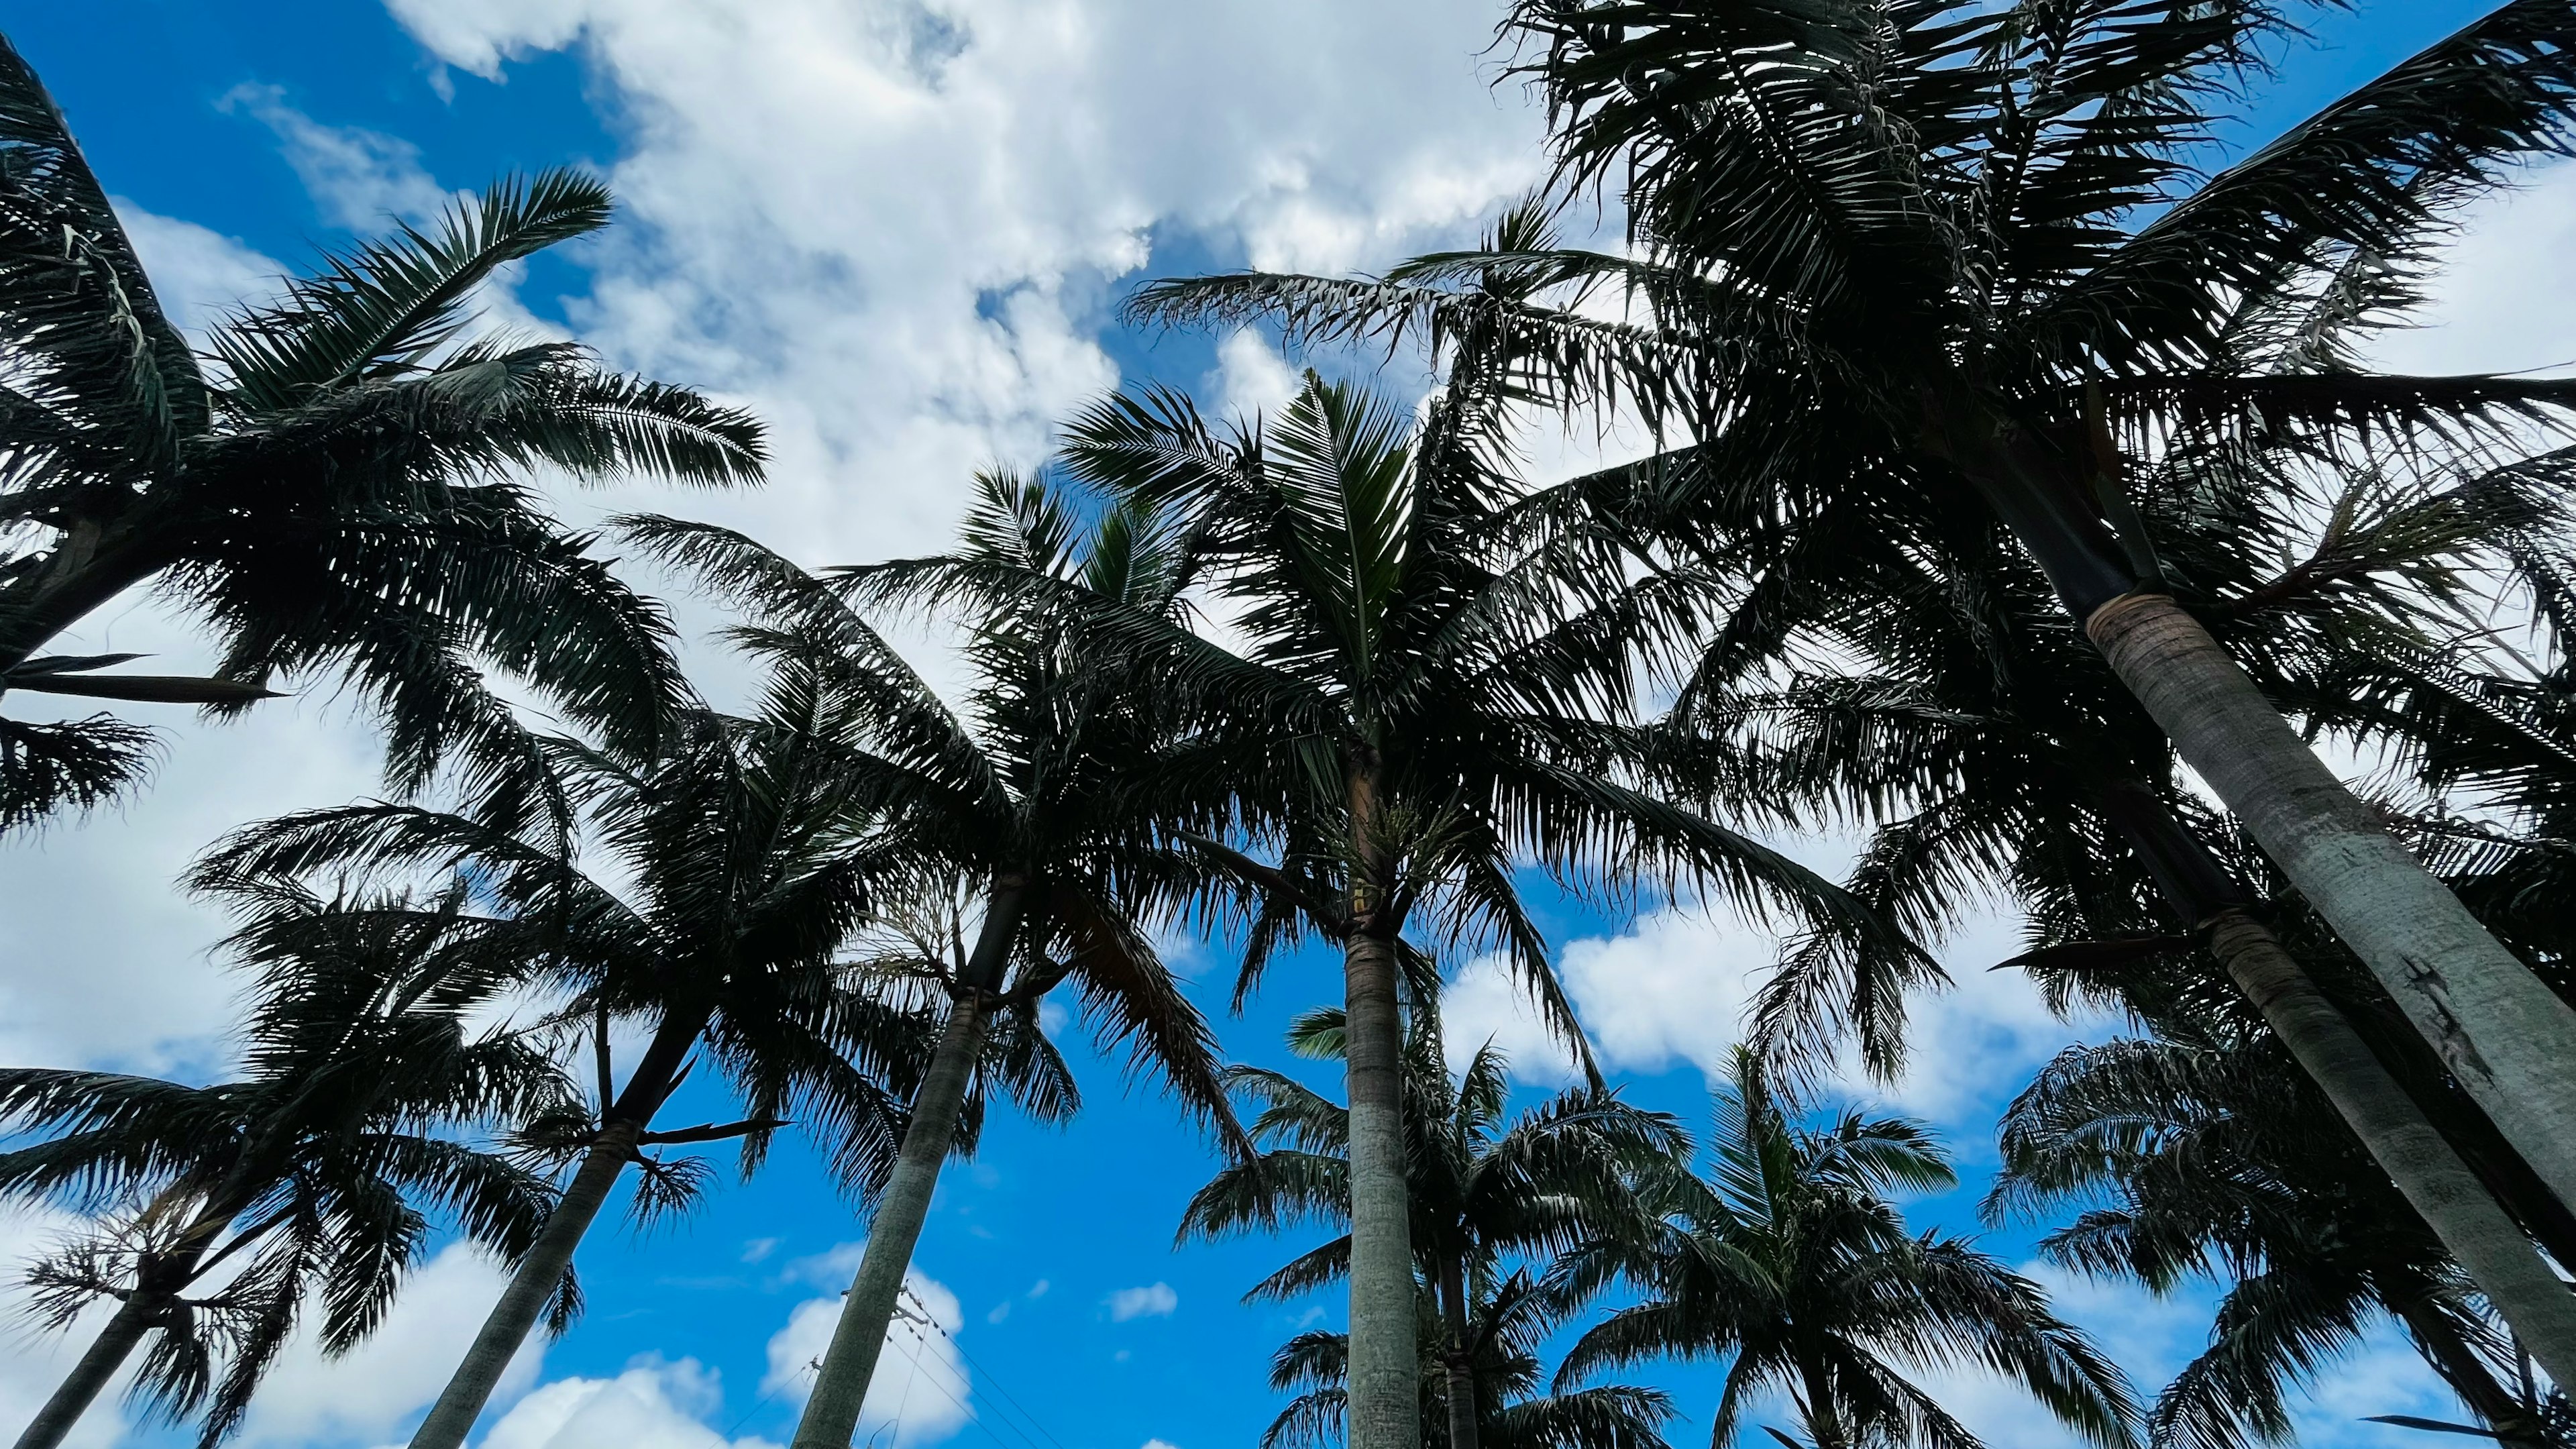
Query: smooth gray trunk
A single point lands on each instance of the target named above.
(850, 1364)
(2441, 1188)
(533, 1283)
(90, 1377)
(1460, 1362)
(2508, 1039)
(1386, 1353)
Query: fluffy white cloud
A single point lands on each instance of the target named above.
(921, 1390)
(1676, 984)
(1153, 1300)
(652, 1405)
(892, 227)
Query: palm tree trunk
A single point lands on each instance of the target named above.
(2507, 1038)
(538, 1275)
(1460, 1361)
(2440, 1187)
(89, 1377)
(1386, 1363)
(2393, 1127)
(849, 1364)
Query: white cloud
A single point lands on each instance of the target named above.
(1154, 1300)
(2501, 302)
(362, 179)
(892, 229)
(197, 274)
(1675, 986)
(921, 1388)
(1251, 378)
(1160, 1444)
(652, 1405)
(369, 1394)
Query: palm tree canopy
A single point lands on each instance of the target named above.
(1508, 1326)
(714, 890)
(1485, 1185)
(336, 482)
(2198, 1154)
(1791, 1262)
(1048, 783)
(1399, 631)
(312, 1177)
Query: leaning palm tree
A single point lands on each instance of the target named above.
(2198, 1154)
(308, 1179)
(336, 483)
(1483, 1191)
(1967, 254)
(1036, 801)
(2001, 756)
(1507, 1323)
(713, 893)
(1423, 702)
(1791, 1263)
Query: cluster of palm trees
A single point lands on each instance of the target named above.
(2022, 499)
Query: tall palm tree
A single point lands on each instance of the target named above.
(1039, 800)
(1508, 1322)
(1483, 1191)
(709, 892)
(1948, 252)
(311, 1176)
(2009, 759)
(1791, 1262)
(2196, 1154)
(337, 482)
(1422, 703)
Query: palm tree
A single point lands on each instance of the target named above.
(2010, 759)
(707, 892)
(1034, 801)
(334, 484)
(1508, 1322)
(305, 1178)
(1421, 705)
(2197, 1153)
(1792, 1263)
(1482, 1191)
(1946, 254)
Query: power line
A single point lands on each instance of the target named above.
(989, 1376)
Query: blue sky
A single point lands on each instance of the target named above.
(898, 230)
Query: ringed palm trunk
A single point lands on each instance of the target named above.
(1385, 1407)
(1386, 1351)
(2505, 1036)
(849, 1364)
(2510, 1041)
(2391, 1124)
(538, 1275)
(1460, 1362)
